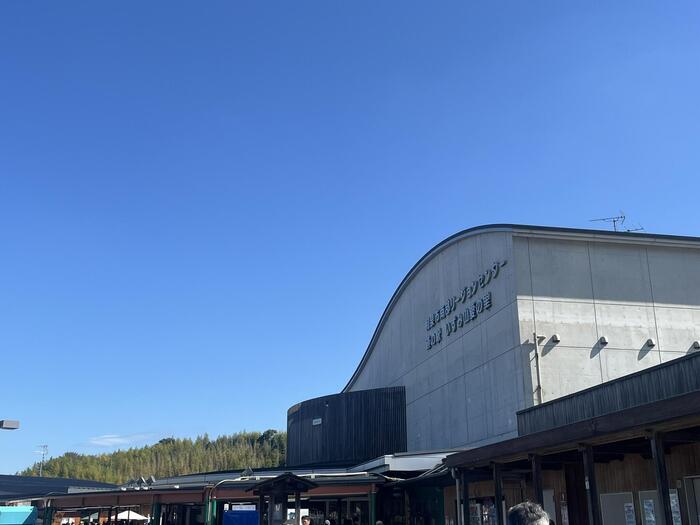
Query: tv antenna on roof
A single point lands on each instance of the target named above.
(617, 223)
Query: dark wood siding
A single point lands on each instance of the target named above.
(354, 427)
(674, 378)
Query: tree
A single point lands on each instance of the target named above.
(172, 457)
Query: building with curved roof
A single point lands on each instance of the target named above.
(499, 318)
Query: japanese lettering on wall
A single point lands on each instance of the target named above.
(454, 319)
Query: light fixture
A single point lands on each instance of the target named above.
(651, 343)
(556, 338)
(696, 345)
(603, 340)
(9, 424)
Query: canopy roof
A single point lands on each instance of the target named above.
(286, 483)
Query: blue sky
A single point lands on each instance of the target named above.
(205, 206)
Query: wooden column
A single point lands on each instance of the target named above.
(536, 462)
(261, 509)
(297, 508)
(657, 452)
(594, 516)
(498, 493)
(458, 495)
(465, 500)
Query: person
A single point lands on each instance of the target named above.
(380, 522)
(527, 513)
(306, 520)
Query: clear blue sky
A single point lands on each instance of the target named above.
(205, 206)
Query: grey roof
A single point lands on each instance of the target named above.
(25, 487)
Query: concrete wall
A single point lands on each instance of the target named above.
(467, 388)
(585, 289)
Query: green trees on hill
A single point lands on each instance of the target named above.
(172, 457)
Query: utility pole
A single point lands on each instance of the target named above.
(43, 452)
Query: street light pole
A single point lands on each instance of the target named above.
(9, 424)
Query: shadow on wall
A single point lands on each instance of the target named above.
(647, 347)
(551, 343)
(597, 348)
(644, 351)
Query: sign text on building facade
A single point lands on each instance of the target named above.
(470, 313)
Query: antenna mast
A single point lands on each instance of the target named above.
(618, 219)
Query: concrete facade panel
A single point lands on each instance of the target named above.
(457, 412)
(670, 356)
(675, 276)
(476, 405)
(573, 322)
(503, 400)
(566, 369)
(678, 328)
(473, 349)
(521, 254)
(620, 273)
(625, 326)
(454, 359)
(439, 417)
(560, 269)
(498, 332)
(617, 363)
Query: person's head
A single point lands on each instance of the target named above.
(306, 520)
(380, 522)
(527, 513)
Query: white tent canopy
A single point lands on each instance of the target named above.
(127, 515)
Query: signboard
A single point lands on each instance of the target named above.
(675, 508)
(454, 317)
(630, 518)
(648, 512)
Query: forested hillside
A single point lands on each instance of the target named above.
(170, 457)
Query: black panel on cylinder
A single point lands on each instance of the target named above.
(347, 428)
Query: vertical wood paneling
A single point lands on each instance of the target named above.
(355, 427)
(674, 378)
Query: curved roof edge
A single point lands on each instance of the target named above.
(488, 228)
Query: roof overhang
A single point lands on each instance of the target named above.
(667, 415)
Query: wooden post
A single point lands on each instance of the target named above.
(594, 516)
(465, 500)
(498, 493)
(458, 495)
(155, 513)
(297, 509)
(657, 452)
(536, 462)
(261, 509)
